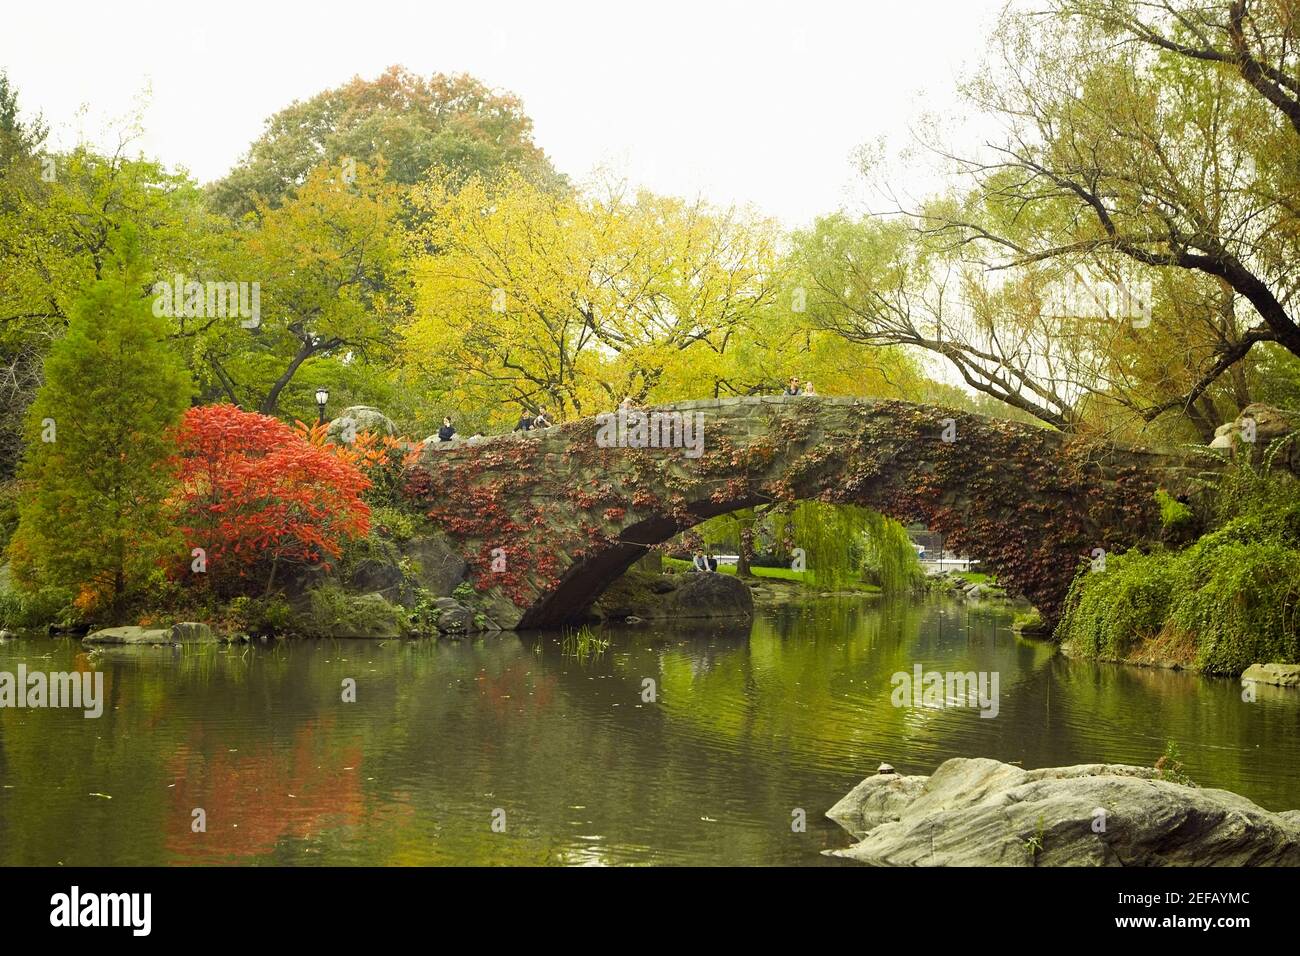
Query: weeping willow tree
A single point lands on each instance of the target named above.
(841, 544)
(889, 554)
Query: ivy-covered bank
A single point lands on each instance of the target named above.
(1221, 594)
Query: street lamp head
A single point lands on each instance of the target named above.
(322, 396)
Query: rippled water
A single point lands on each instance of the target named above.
(747, 728)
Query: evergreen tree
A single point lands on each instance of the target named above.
(94, 475)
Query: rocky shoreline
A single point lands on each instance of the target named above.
(981, 812)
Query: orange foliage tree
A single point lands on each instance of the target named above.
(254, 494)
(385, 460)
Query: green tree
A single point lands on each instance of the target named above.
(410, 123)
(94, 484)
(1157, 136)
(18, 140)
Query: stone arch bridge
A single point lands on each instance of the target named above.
(547, 520)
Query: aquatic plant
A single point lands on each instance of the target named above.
(583, 644)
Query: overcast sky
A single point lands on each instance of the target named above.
(759, 103)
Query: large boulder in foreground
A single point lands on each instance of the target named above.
(979, 812)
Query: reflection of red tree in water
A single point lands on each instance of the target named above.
(247, 795)
(508, 692)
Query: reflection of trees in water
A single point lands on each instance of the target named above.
(255, 801)
(747, 725)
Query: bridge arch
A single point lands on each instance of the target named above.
(547, 520)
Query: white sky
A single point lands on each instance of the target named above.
(756, 102)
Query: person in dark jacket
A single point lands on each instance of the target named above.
(448, 431)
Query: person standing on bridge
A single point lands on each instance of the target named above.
(808, 389)
(448, 431)
(793, 387)
(542, 420)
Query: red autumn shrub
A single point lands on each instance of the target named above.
(254, 495)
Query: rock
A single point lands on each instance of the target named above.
(130, 635)
(1283, 675)
(193, 632)
(705, 596)
(455, 619)
(1256, 429)
(436, 565)
(185, 632)
(979, 812)
(361, 418)
(377, 575)
(876, 800)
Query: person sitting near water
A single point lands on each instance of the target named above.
(700, 562)
(793, 387)
(711, 560)
(448, 431)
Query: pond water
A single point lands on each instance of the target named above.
(446, 741)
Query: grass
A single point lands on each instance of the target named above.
(584, 645)
(780, 574)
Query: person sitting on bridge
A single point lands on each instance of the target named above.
(793, 387)
(448, 431)
(525, 422)
(542, 420)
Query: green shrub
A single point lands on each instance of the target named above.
(1106, 611)
(332, 612)
(1233, 595)
(262, 615)
(1241, 601)
(1174, 514)
(394, 523)
(20, 610)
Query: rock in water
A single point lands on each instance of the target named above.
(1283, 675)
(709, 596)
(693, 596)
(186, 632)
(979, 812)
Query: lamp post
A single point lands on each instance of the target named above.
(322, 396)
